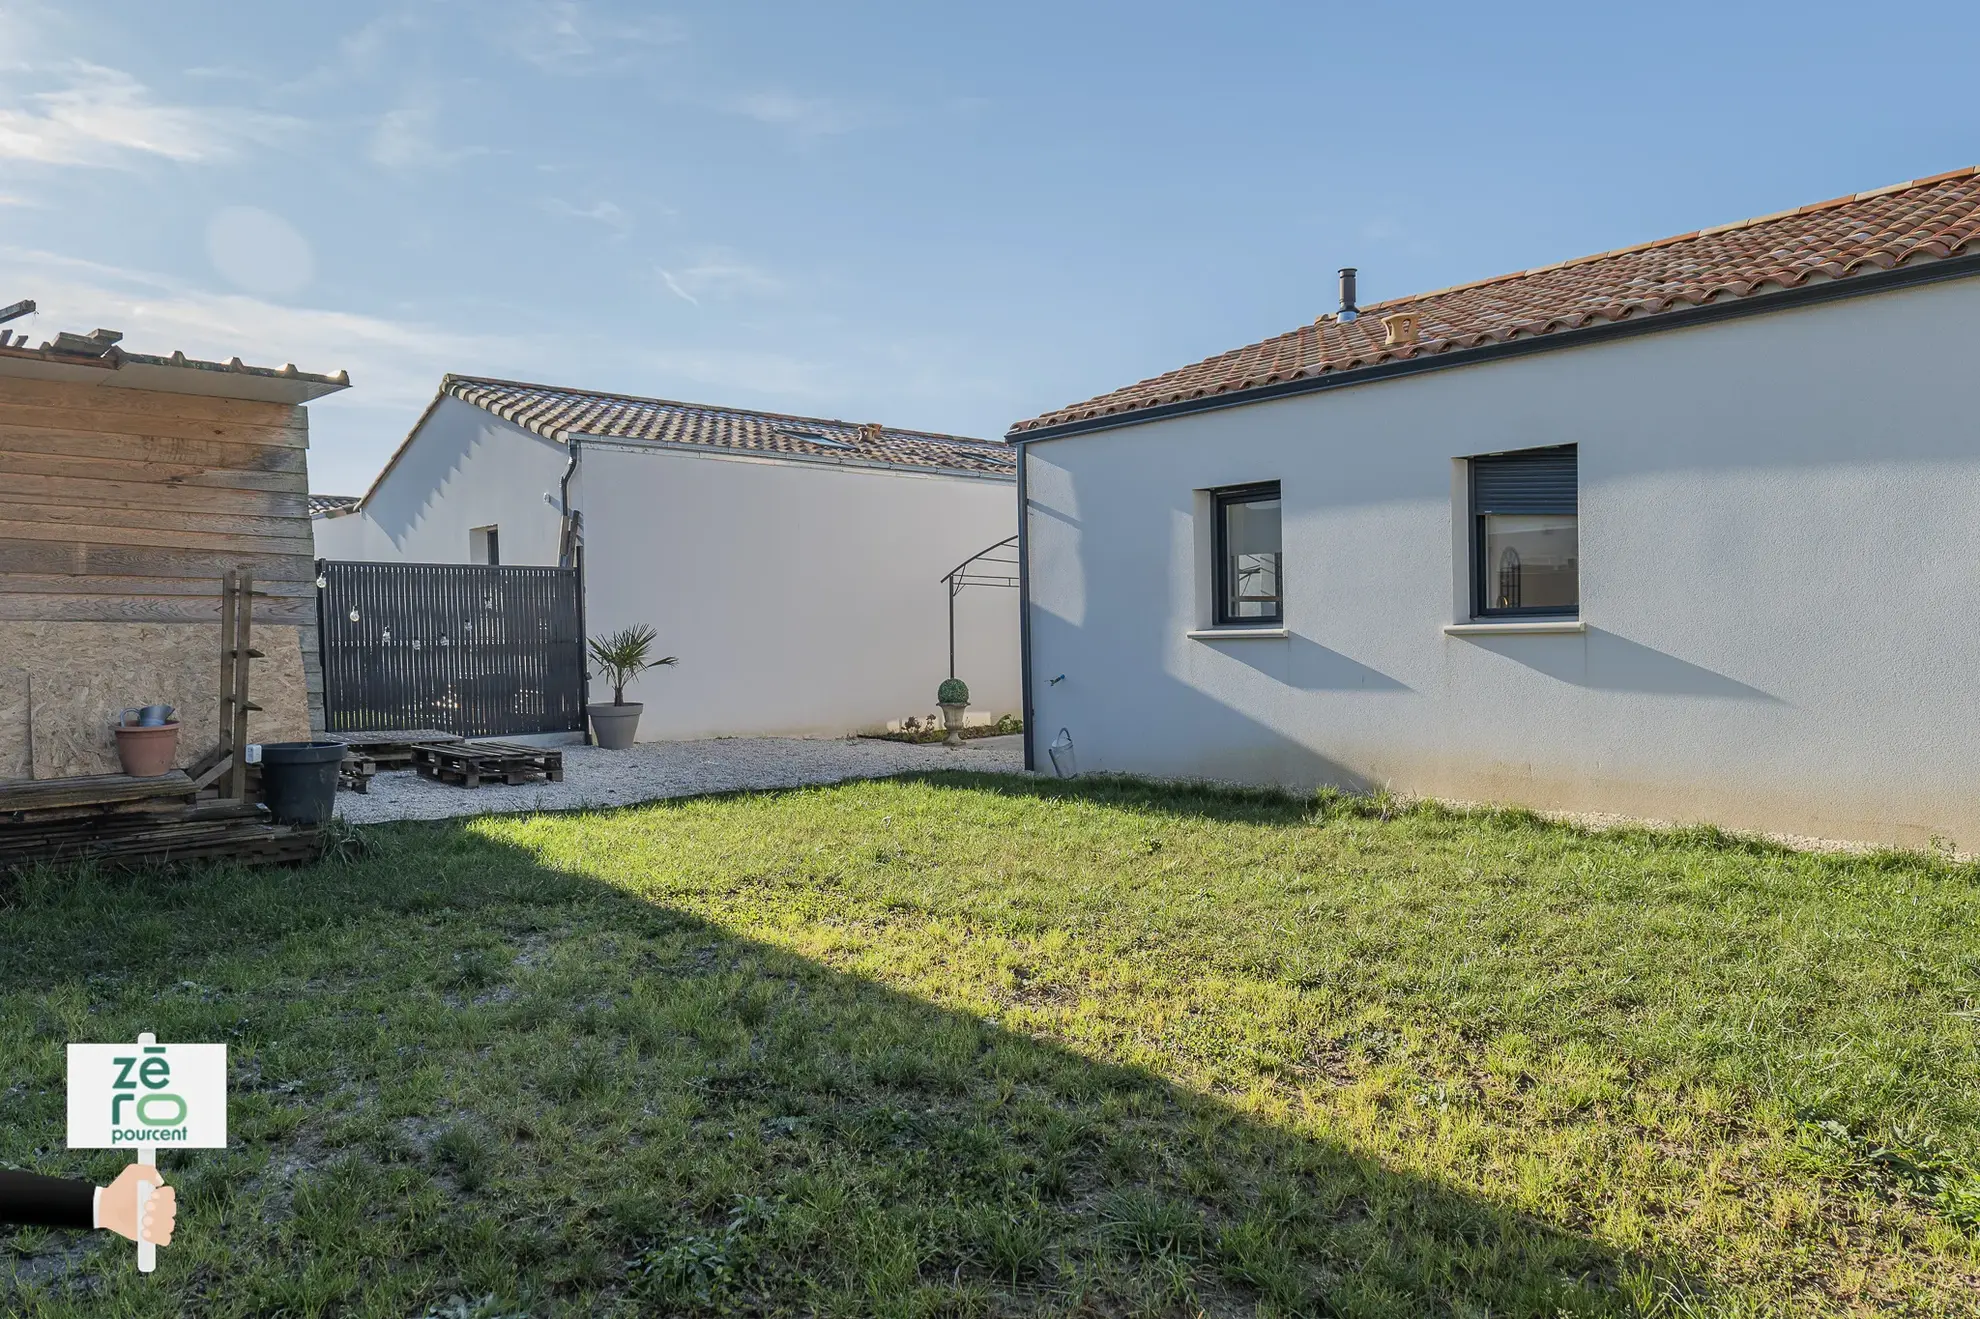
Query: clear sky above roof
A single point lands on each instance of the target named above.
(934, 216)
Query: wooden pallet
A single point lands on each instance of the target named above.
(154, 836)
(355, 772)
(382, 750)
(91, 793)
(392, 748)
(470, 764)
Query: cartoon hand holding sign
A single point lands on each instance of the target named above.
(141, 1097)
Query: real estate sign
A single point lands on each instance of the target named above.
(127, 1096)
(144, 1097)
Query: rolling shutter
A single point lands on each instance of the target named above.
(1530, 481)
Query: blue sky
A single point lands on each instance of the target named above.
(940, 216)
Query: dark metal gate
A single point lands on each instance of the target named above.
(476, 650)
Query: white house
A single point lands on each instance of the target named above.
(1683, 531)
(795, 565)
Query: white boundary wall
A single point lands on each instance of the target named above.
(802, 598)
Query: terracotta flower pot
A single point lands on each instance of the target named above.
(146, 751)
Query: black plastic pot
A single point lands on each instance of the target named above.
(299, 780)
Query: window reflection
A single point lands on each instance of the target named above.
(1531, 561)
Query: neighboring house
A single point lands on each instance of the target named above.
(1689, 530)
(795, 565)
(129, 486)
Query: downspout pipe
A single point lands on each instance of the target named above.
(567, 546)
(1024, 610)
(570, 554)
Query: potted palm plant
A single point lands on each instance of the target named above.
(620, 657)
(953, 697)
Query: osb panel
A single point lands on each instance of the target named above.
(67, 681)
(14, 761)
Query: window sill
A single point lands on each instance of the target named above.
(1235, 633)
(1515, 627)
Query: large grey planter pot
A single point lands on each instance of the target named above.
(614, 725)
(952, 719)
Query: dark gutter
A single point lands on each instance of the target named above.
(1806, 295)
(1024, 610)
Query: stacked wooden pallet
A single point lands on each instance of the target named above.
(121, 820)
(470, 764)
(373, 753)
(355, 771)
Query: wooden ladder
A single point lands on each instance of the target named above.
(236, 635)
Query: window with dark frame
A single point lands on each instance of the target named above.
(1249, 555)
(485, 545)
(1525, 547)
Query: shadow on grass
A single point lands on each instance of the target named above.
(1199, 800)
(1265, 804)
(461, 1073)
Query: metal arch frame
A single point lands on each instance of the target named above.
(979, 570)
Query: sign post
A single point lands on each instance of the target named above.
(147, 1250)
(143, 1097)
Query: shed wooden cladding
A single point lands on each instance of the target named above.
(129, 505)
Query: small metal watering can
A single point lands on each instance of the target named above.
(148, 716)
(1064, 764)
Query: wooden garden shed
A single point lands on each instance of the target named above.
(129, 486)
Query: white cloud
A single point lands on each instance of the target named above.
(24, 29)
(806, 116)
(105, 117)
(406, 139)
(390, 361)
(362, 50)
(570, 37)
(719, 273)
(609, 214)
(747, 375)
(359, 55)
(259, 251)
(395, 364)
(907, 382)
(674, 287)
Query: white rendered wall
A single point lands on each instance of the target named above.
(802, 599)
(465, 468)
(1780, 577)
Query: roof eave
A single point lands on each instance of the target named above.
(634, 443)
(1911, 274)
(454, 382)
(173, 375)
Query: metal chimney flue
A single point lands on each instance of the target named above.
(1348, 311)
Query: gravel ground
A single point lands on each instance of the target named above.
(648, 771)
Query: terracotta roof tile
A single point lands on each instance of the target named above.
(1924, 219)
(557, 413)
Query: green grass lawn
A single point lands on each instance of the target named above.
(959, 1045)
